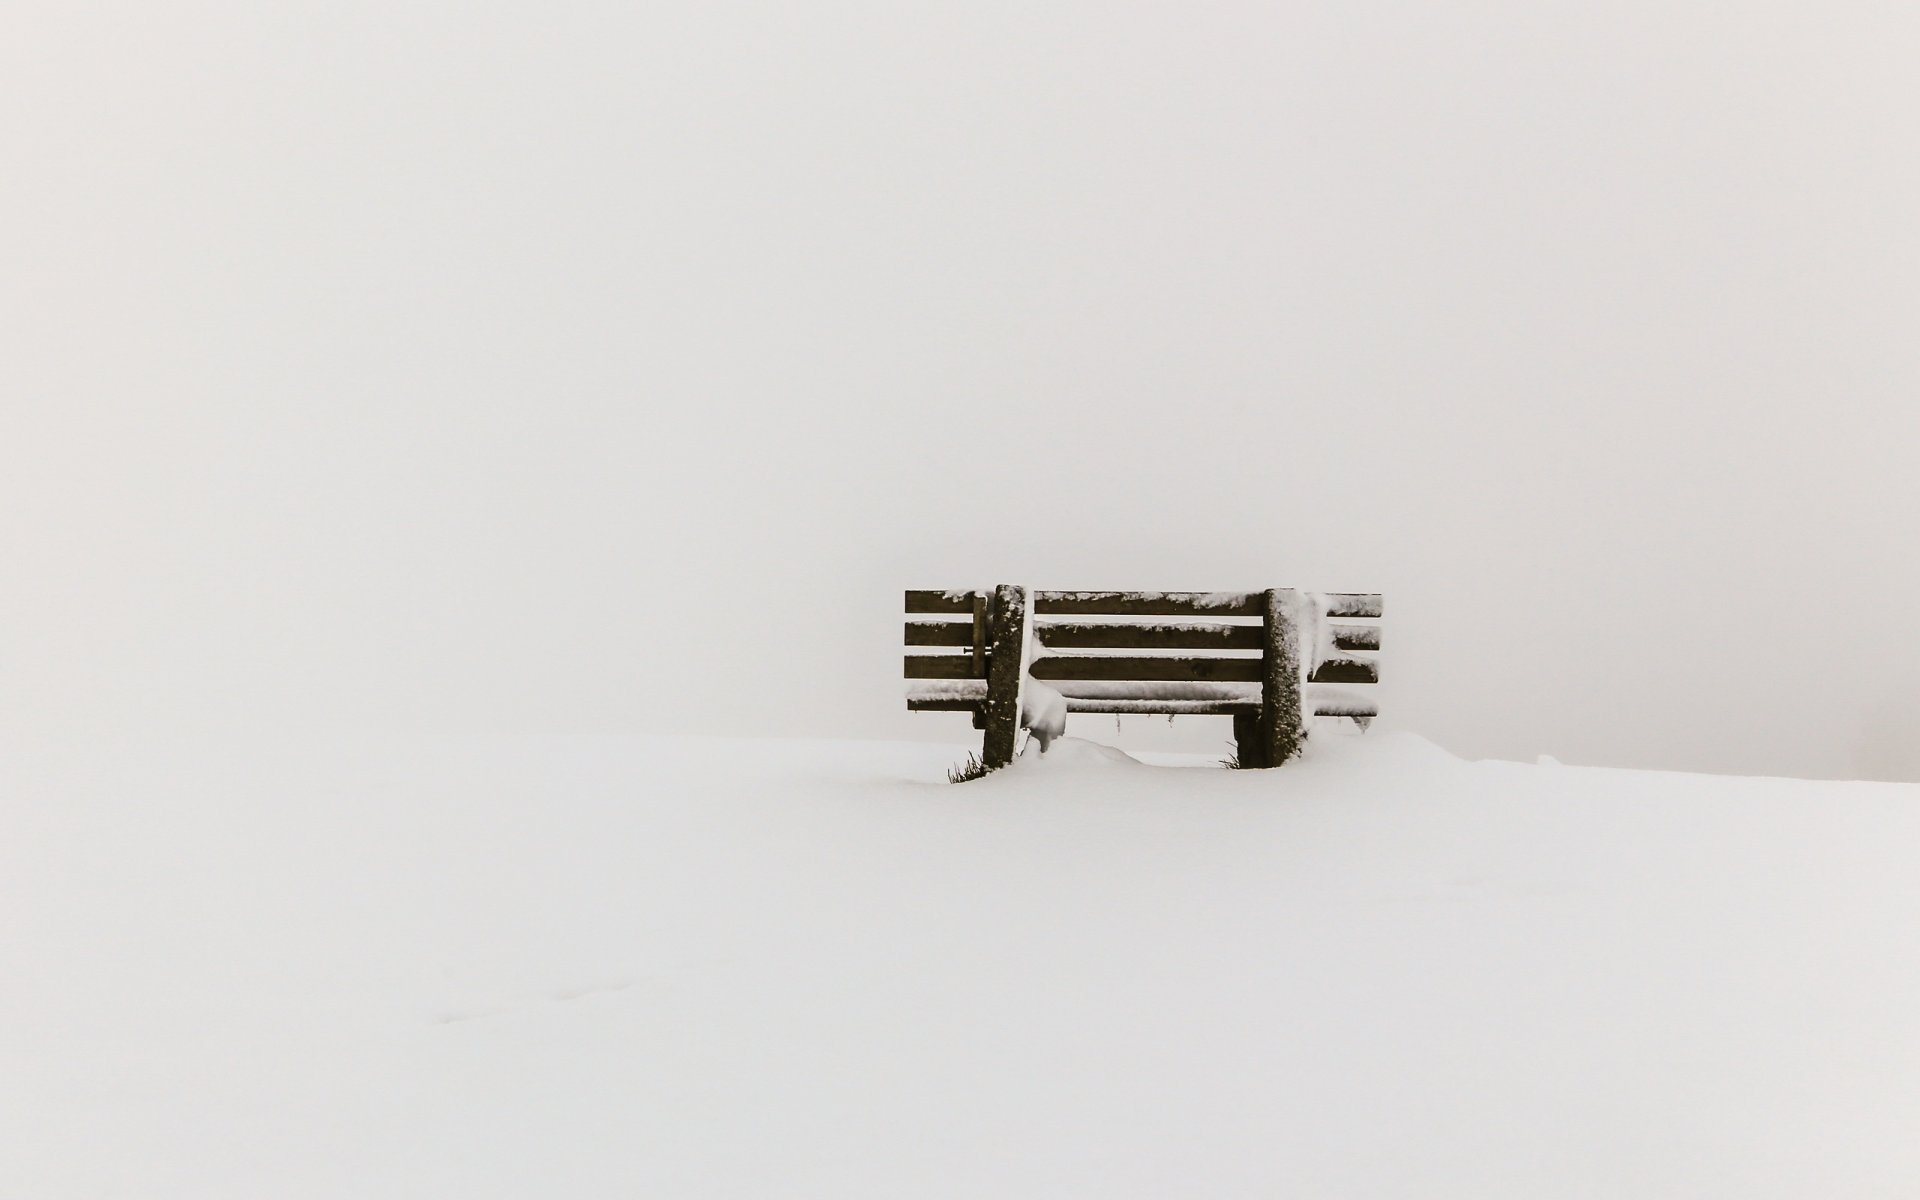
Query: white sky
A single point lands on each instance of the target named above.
(601, 368)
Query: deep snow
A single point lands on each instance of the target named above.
(687, 967)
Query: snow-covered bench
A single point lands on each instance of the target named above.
(1262, 658)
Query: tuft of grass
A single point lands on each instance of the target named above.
(1232, 761)
(973, 768)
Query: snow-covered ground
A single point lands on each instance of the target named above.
(687, 968)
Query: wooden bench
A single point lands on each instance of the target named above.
(1252, 657)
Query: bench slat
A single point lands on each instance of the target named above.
(1202, 604)
(940, 666)
(1178, 668)
(1117, 635)
(1153, 668)
(1341, 707)
(1356, 637)
(1167, 708)
(942, 704)
(1184, 667)
(1185, 635)
(1143, 604)
(923, 601)
(1347, 670)
(940, 633)
(1148, 604)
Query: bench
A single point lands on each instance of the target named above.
(1262, 658)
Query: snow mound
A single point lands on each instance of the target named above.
(1334, 742)
(603, 967)
(1069, 753)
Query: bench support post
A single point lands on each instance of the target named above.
(1007, 622)
(1282, 686)
(1249, 748)
(980, 652)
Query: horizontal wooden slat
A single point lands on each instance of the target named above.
(1144, 604)
(1156, 667)
(1169, 667)
(1202, 604)
(1196, 708)
(1356, 637)
(1184, 667)
(1114, 706)
(941, 666)
(939, 633)
(1118, 635)
(1354, 604)
(924, 601)
(1330, 702)
(1150, 604)
(942, 704)
(1347, 670)
(1166, 708)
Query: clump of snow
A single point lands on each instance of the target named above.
(1316, 633)
(1068, 753)
(1043, 712)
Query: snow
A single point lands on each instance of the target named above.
(1331, 701)
(1316, 633)
(1072, 754)
(1043, 711)
(727, 968)
(947, 689)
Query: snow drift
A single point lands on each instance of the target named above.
(678, 967)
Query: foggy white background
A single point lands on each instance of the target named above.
(606, 368)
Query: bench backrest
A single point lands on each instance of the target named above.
(1143, 652)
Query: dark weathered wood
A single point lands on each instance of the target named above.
(1196, 604)
(1159, 635)
(1155, 668)
(1356, 637)
(1148, 604)
(940, 633)
(1343, 704)
(1007, 635)
(1147, 668)
(1142, 604)
(1167, 667)
(1354, 604)
(980, 635)
(1163, 708)
(943, 704)
(1139, 635)
(1246, 729)
(1249, 748)
(1347, 670)
(1281, 721)
(924, 601)
(940, 666)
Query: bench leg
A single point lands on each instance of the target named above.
(1283, 724)
(1006, 672)
(1249, 747)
